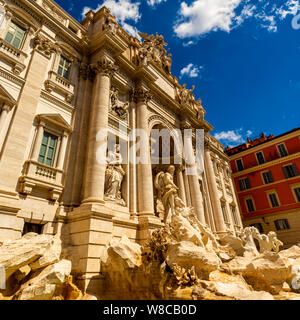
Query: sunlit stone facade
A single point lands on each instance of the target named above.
(63, 82)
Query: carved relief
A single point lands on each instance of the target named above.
(118, 108)
(104, 66)
(53, 11)
(110, 24)
(44, 45)
(114, 176)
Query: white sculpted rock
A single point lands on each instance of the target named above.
(123, 254)
(15, 254)
(43, 285)
(187, 255)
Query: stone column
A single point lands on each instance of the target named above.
(216, 206)
(38, 142)
(193, 179)
(144, 170)
(62, 151)
(235, 200)
(132, 157)
(180, 182)
(187, 190)
(3, 116)
(98, 126)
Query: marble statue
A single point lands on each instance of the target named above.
(267, 243)
(168, 192)
(114, 176)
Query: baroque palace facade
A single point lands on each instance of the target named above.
(61, 83)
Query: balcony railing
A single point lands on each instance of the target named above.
(13, 56)
(42, 176)
(62, 85)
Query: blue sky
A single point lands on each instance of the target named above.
(242, 55)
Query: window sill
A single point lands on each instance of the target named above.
(13, 56)
(42, 176)
(60, 84)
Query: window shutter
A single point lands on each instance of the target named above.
(248, 183)
(295, 170)
(241, 185)
(285, 172)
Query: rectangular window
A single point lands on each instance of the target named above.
(282, 224)
(290, 171)
(239, 164)
(48, 147)
(234, 216)
(64, 67)
(260, 158)
(224, 212)
(267, 176)
(282, 150)
(32, 227)
(15, 35)
(244, 184)
(297, 193)
(274, 200)
(250, 205)
(258, 226)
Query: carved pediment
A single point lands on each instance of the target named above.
(55, 119)
(5, 97)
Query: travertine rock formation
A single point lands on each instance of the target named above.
(184, 260)
(34, 270)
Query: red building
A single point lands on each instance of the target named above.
(266, 173)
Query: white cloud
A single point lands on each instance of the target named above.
(124, 10)
(191, 71)
(230, 136)
(188, 44)
(203, 16)
(152, 3)
(291, 7)
(249, 133)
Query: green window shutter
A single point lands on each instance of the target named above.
(47, 151)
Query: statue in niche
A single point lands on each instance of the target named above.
(118, 108)
(114, 176)
(168, 193)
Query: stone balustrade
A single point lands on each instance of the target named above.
(60, 84)
(13, 56)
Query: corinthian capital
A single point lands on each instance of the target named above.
(142, 95)
(104, 66)
(44, 45)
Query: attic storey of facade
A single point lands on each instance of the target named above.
(73, 94)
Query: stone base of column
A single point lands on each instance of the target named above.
(90, 228)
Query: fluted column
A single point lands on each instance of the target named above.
(144, 168)
(38, 141)
(132, 156)
(98, 126)
(194, 182)
(180, 183)
(220, 224)
(62, 151)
